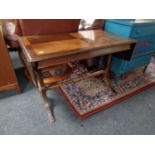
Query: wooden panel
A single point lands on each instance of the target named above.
(58, 46)
(7, 74)
(81, 56)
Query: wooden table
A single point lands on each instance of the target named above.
(41, 52)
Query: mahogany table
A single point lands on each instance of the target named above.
(43, 52)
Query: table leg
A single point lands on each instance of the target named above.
(47, 107)
(43, 94)
(106, 76)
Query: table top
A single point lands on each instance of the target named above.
(37, 48)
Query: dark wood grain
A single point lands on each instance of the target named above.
(8, 78)
(39, 48)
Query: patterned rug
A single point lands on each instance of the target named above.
(90, 96)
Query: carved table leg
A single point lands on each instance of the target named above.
(46, 105)
(43, 94)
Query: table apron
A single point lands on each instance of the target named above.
(80, 56)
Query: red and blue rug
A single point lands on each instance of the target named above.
(91, 95)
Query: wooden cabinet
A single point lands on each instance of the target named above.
(8, 78)
(141, 30)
